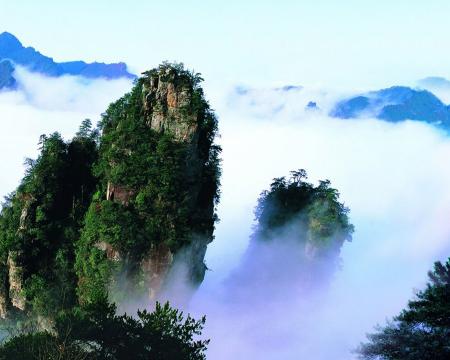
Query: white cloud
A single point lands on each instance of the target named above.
(44, 105)
(68, 93)
(394, 178)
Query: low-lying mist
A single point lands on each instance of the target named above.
(43, 105)
(395, 180)
(393, 177)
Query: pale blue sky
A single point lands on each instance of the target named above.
(343, 44)
(335, 43)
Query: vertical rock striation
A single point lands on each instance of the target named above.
(15, 280)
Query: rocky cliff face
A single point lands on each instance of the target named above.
(15, 280)
(11, 286)
(12, 269)
(160, 170)
(166, 107)
(68, 236)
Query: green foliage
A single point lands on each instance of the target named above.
(109, 223)
(164, 188)
(41, 221)
(94, 273)
(96, 332)
(117, 225)
(176, 73)
(60, 228)
(40, 346)
(422, 330)
(314, 213)
(155, 164)
(86, 131)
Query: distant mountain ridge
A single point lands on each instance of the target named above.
(12, 52)
(395, 104)
(434, 82)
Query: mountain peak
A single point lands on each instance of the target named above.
(434, 82)
(9, 43)
(12, 49)
(9, 36)
(395, 104)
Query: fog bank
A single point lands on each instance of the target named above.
(394, 178)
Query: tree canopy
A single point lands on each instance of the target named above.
(314, 214)
(41, 221)
(95, 332)
(422, 330)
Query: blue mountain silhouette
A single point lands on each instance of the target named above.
(12, 53)
(395, 104)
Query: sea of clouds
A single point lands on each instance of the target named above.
(395, 179)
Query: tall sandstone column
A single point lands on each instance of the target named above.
(160, 170)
